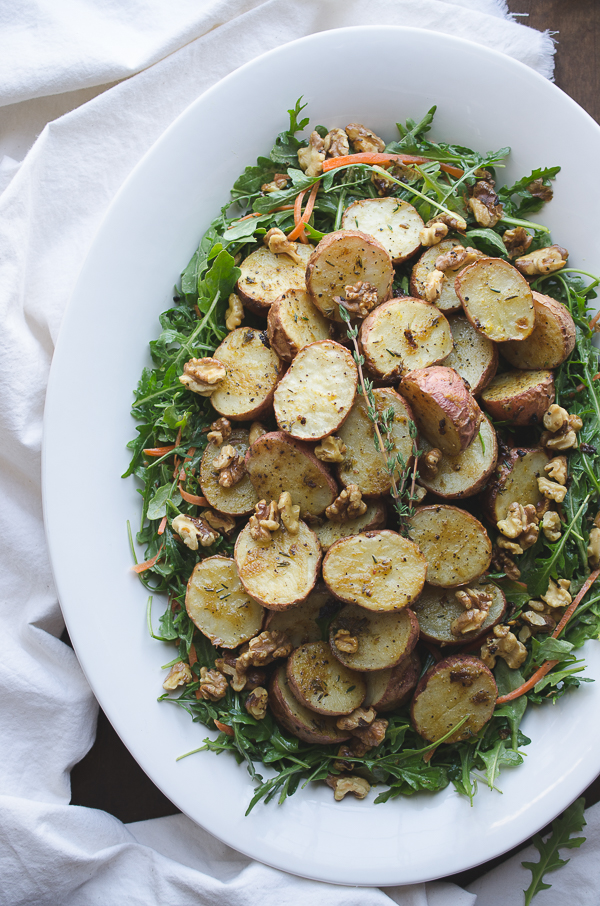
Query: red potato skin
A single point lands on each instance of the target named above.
(527, 408)
(544, 304)
(440, 383)
(503, 469)
(296, 728)
(402, 682)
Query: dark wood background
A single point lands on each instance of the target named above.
(108, 778)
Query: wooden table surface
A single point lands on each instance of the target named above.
(108, 778)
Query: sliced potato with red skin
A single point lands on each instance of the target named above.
(404, 334)
(497, 299)
(448, 301)
(395, 224)
(474, 357)
(237, 500)
(384, 639)
(437, 608)
(294, 322)
(345, 258)
(391, 688)
(298, 720)
(300, 622)
(265, 276)
(316, 394)
(445, 411)
(515, 481)
(519, 397)
(454, 543)
(379, 571)
(277, 462)
(373, 518)
(321, 683)
(364, 465)
(218, 605)
(552, 340)
(465, 474)
(456, 687)
(253, 370)
(281, 571)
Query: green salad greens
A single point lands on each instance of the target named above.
(172, 436)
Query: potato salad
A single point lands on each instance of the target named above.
(367, 453)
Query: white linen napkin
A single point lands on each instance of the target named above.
(56, 58)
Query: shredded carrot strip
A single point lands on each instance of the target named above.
(548, 665)
(373, 158)
(429, 755)
(162, 526)
(147, 564)
(224, 728)
(159, 451)
(595, 320)
(192, 498)
(193, 657)
(298, 231)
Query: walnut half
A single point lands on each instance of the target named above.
(349, 505)
(203, 376)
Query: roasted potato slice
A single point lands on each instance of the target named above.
(294, 322)
(280, 571)
(237, 500)
(404, 334)
(345, 258)
(320, 682)
(266, 276)
(218, 605)
(382, 640)
(519, 397)
(465, 474)
(316, 393)
(454, 543)
(373, 518)
(298, 720)
(253, 370)
(552, 340)
(437, 608)
(515, 481)
(474, 357)
(395, 224)
(364, 465)
(445, 411)
(300, 622)
(497, 299)
(448, 301)
(379, 571)
(458, 686)
(277, 462)
(390, 689)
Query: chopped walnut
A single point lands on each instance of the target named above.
(555, 418)
(476, 603)
(363, 139)
(203, 376)
(192, 530)
(362, 717)
(235, 312)
(485, 204)
(538, 622)
(278, 243)
(551, 525)
(557, 469)
(219, 521)
(359, 299)
(179, 675)
(230, 465)
(224, 459)
(514, 524)
(516, 241)
(511, 546)
(593, 551)
(453, 221)
(542, 261)
(552, 490)
(561, 427)
(504, 564)
(429, 463)
(256, 430)
(220, 431)
(264, 521)
(433, 285)
(347, 506)
(289, 513)
(561, 441)
(371, 735)
(256, 703)
(419, 494)
(260, 651)
(335, 143)
(345, 642)
(539, 190)
(505, 645)
(341, 786)
(280, 181)
(432, 235)
(311, 158)
(457, 256)
(213, 685)
(525, 633)
(558, 593)
(331, 449)
(247, 678)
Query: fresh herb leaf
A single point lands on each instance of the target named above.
(562, 836)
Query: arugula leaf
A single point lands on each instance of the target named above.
(411, 133)
(490, 240)
(561, 837)
(496, 758)
(513, 711)
(285, 149)
(157, 508)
